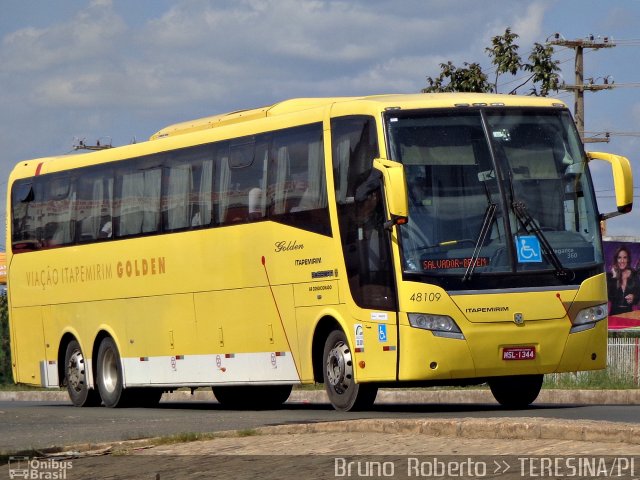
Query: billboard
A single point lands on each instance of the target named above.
(622, 263)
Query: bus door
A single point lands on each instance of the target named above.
(365, 244)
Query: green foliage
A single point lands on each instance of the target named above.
(504, 55)
(469, 78)
(590, 380)
(544, 69)
(5, 353)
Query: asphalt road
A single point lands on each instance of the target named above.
(28, 425)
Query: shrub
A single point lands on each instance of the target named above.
(5, 352)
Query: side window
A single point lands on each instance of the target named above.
(57, 208)
(186, 202)
(355, 145)
(200, 200)
(24, 218)
(94, 207)
(175, 202)
(297, 190)
(138, 192)
(241, 180)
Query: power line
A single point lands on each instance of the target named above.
(634, 42)
(521, 78)
(626, 85)
(614, 133)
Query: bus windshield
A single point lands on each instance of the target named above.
(494, 190)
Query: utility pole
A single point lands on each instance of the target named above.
(579, 87)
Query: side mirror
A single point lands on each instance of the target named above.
(622, 181)
(395, 186)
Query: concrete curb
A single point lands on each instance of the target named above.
(385, 396)
(522, 428)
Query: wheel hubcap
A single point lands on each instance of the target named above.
(340, 368)
(109, 371)
(76, 372)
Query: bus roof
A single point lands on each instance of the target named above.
(340, 106)
(419, 100)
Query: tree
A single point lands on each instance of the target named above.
(544, 69)
(504, 54)
(470, 78)
(506, 59)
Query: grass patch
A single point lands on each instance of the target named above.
(589, 380)
(185, 437)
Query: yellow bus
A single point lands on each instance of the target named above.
(360, 242)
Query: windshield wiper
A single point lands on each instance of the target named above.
(489, 215)
(487, 221)
(530, 225)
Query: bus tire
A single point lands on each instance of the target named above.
(75, 378)
(518, 391)
(262, 397)
(339, 380)
(109, 375)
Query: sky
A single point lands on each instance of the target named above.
(120, 70)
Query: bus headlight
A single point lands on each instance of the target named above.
(588, 317)
(440, 325)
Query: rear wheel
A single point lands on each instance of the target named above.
(75, 378)
(339, 380)
(517, 391)
(253, 397)
(109, 375)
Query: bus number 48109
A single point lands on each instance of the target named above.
(425, 297)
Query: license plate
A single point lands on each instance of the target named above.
(518, 353)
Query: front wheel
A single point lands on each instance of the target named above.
(75, 377)
(339, 380)
(517, 391)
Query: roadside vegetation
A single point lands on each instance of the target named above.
(596, 380)
(5, 354)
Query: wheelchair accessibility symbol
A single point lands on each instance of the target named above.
(528, 247)
(382, 333)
